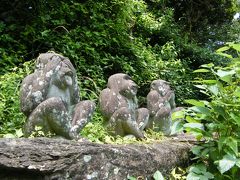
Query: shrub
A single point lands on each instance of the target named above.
(11, 118)
(216, 121)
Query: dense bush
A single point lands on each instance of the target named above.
(216, 122)
(11, 119)
(101, 38)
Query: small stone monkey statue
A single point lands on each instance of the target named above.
(118, 104)
(160, 103)
(49, 98)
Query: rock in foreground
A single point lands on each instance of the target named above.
(44, 158)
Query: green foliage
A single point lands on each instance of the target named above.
(216, 121)
(140, 38)
(101, 38)
(156, 176)
(11, 119)
(96, 132)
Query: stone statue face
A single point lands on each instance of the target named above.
(161, 86)
(63, 76)
(123, 84)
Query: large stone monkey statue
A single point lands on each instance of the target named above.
(161, 102)
(49, 97)
(119, 106)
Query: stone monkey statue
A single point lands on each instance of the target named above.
(118, 104)
(160, 102)
(49, 98)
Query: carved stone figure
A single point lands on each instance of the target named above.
(118, 104)
(161, 103)
(49, 98)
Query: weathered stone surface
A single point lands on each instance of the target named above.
(119, 106)
(161, 104)
(50, 98)
(44, 158)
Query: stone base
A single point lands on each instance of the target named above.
(45, 158)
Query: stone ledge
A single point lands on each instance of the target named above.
(45, 158)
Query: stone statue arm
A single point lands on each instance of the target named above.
(25, 95)
(108, 102)
(33, 92)
(75, 92)
(170, 97)
(153, 101)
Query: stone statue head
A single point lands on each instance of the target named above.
(123, 84)
(161, 86)
(51, 69)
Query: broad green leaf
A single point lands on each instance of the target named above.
(208, 175)
(214, 89)
(178, 115)
(233, 144)
(19, 133)
(208, 81)
(191, 119)
(225, 48)
(236, 47)
(193, 176)
(198, 169)
(219, 109)
(237, 92)
(225, 75)
(196, 150)
(221, 142)
(199, 172)
(201, 86)
(201, 70)
(210, 65)
(158, 176)
(194, 126)
(177, 127)
(238, 163)
(194, 102)
(200, 109)
(225, 55)
(9, 136)
(236, 118)
(131, 178)
(226, 163)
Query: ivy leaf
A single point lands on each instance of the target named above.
(226, 163)
(158, 176)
